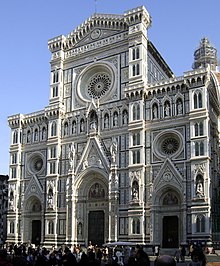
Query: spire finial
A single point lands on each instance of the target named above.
(95, 6)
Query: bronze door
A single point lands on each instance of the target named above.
(36, 232)
(96, 227)
(170, 232)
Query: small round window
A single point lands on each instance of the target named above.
(36, 163)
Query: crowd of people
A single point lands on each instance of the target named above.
(24, 255)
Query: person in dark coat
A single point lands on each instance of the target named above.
(68, 258)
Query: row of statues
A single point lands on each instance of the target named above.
(167, 109)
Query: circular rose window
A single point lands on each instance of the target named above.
(168, 143)
(96, 82)
(35, 163)
(98, 85)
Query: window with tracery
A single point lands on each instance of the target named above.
(50, 227)
(197, 99)
(53, 129)
(36, 134)
(198, 127)
(12, 227)
(136, 69)
(136, 111)
(200, 224)
(135, 53)
(199, 148)
(55, 91)
(136, 226)
(136, 158)
(55, 76)
(15, 137)
(136, 139)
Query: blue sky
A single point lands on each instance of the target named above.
(27, 25)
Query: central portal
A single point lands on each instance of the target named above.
(96, 227)
(36, 232)
(170, 232)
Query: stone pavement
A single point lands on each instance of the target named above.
(212, 259)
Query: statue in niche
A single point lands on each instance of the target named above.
(44, 133)
(79, 229)
(93, 124)
(155, 112)
(115, 120)
(167, 109)
(135, 189)
(125, 117)
(50, 198)
(179, 107)
(199, 189)
(82, 126)
(74, 127)
(71, 156)
(28, 137)
(11, 201)
(106, 121)
(113, 150)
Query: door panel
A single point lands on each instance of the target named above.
(170, 232)
(36, 232)
(96, 227)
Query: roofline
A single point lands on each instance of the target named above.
(160, 60)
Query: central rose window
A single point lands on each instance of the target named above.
(97, 81)
(98, 85)
(36, 163)
(168, 143)
(170, 146)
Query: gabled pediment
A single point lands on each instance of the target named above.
(34, 188)
(93, 157)
(96, 27)
(168, 174)
(92, 106)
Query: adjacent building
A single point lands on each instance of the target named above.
(125, 150)
(3, 208)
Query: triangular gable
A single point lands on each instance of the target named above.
(92, 106)
(98, 26)
(167, 175)
(34, 188)
(93, 156)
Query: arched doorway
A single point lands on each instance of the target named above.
(170, 223)
(33, 221)
(92, 209)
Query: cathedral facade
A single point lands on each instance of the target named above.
(125, 150)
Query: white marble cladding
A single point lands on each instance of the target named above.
(94, 45)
